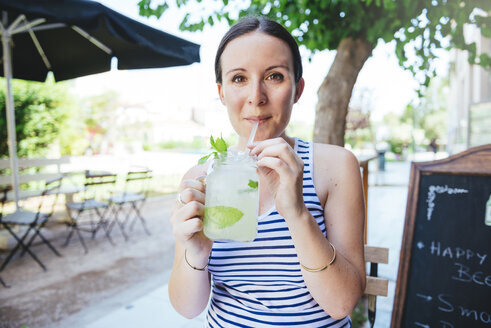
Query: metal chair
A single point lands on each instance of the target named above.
(34, 221)
(89, 214)
(132, 199)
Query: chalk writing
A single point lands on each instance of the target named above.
(447, 306)
(477, 277)
(433, 190)
(437, 249)
(425, 297)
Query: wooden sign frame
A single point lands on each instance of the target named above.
(475, 161)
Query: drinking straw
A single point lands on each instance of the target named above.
(253, 133)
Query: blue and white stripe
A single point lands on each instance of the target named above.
(260, 284)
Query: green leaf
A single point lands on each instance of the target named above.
(253, 184)
(221, 217)
(220, 145)
(203, 159)
(145, 10)
(212, 142)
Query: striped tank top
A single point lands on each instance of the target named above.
(259, 283)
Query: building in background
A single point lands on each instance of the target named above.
(469, 103)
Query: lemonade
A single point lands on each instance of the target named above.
(232, 198)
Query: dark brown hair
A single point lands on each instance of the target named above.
(266, 26)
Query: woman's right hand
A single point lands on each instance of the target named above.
(187, 219)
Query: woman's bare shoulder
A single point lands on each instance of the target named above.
(334, 166)
(332, 157)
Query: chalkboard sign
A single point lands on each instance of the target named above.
(444, 278)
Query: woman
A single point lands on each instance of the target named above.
(305, 268)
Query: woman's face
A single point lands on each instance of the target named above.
(258, 85)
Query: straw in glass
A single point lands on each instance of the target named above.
(253, 133)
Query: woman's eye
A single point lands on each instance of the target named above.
(238, 79)
(275, 77)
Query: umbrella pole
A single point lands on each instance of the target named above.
(7, 68)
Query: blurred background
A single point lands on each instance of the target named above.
(416, 87)
(153, 110)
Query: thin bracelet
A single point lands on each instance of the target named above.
(193, 267)
(325, 266)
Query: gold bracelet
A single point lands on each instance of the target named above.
(325, 266)
(193, 267)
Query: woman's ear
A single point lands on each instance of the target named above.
(220, 93)
(299, 88)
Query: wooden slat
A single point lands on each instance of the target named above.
(376, 254)
(376, 286)
(25, 178)
(68, 190)
(30, 162)
(35, 162)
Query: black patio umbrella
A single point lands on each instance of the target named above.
(74, 38)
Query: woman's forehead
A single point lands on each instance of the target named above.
(256, 47)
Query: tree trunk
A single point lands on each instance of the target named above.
(335, 92)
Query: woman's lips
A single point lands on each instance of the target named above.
(260, 119)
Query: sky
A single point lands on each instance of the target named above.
(171, 89)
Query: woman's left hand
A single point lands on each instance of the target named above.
(282, 170)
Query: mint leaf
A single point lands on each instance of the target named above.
(253, 184)
(221, 217)
(203, 159)
(212, 143)
(219, 145)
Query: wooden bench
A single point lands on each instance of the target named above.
(375, 286)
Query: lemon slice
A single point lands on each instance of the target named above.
(221, 217)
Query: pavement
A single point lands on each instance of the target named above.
(125, 285)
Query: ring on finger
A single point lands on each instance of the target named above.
(179, 200)
(202, 179)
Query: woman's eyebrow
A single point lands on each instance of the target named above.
(235, 69)
(277, 66)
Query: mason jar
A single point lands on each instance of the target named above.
(232, 198)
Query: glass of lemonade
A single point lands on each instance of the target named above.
(232, 198)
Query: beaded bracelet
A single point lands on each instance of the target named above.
(193, 267)
(325, 266)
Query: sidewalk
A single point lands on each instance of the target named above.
(386, 210)
(150, 311)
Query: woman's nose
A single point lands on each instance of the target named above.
(257, 94)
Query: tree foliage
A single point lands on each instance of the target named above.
(40, 111)
(418, 27)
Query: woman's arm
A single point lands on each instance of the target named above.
(338, 181)
(338, 184)
(189, 289)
